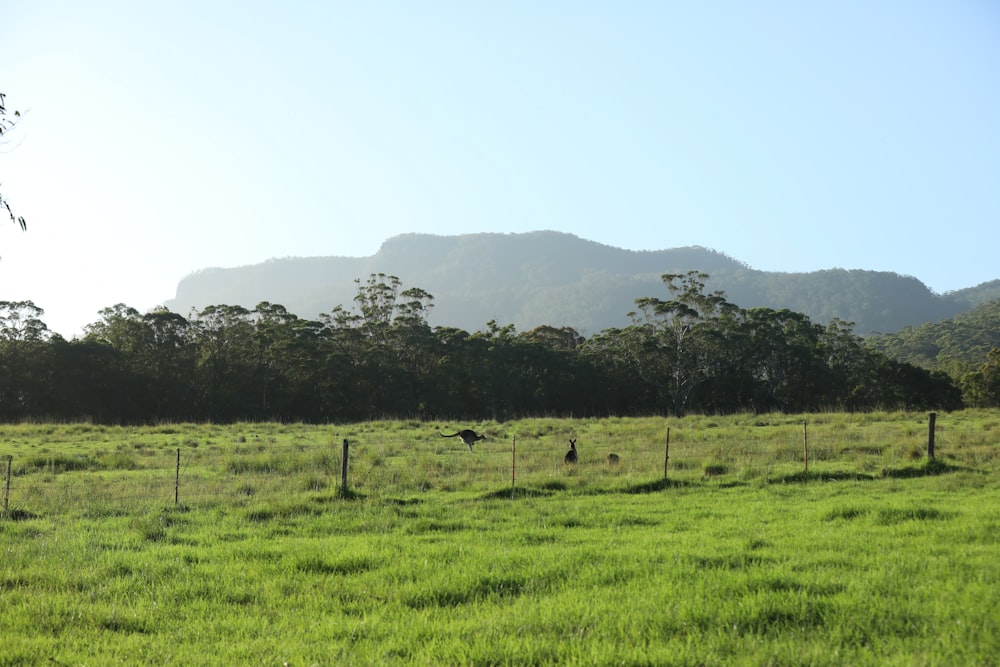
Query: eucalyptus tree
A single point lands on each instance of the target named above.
(681, 341)
(168, 354)
(21, 321)
(556, 375)
(382, 304)
(566, 339)
(119, 327)
(305, 380)
(616, 356)
(24, 358)
(498, 373)
(154, 353)
(499, 385)
(86, 383)
(846, 358)
(121, 331)
(981, 387)
(471, 375)
(413, 345)
(342, 357)
(785, 359)
(225, 362)
(458, 392)
(283, 353)
(385, 347)
(895, 385)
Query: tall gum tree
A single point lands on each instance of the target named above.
(681, 342)
(23, 350)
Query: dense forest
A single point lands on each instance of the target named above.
(952, 345)
(966, 347)
(692, 351)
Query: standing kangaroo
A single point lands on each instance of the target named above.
(468, 436)
(571, 455)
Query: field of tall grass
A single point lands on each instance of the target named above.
(824, 539)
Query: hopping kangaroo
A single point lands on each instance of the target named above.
(571, 456)
(468, 436)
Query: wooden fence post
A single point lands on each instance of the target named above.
(6, 489)
(343, 470)
(177, 478)
(805, 445)
(666, 454)
(930, 436)
(513, 460)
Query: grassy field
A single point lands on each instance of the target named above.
(435, 555)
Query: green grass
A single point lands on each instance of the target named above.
(872, 557)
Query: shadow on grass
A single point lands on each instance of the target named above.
(930, 468)
(553, 487)
(519, 493)
(403, 502)
(927, 469)
(837, 476)
(17, 515)
(348, 494)
(657, 485)
(337, 495)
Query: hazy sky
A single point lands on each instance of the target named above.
(161, 138)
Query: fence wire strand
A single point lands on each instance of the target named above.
(259, 469)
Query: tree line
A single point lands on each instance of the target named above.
(692, 351)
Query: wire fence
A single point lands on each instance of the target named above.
(259, 470)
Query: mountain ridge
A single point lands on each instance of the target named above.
(559, 279)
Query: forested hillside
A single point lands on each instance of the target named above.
(966, 347)
(954, 345)
(556, 279)
(686, 345)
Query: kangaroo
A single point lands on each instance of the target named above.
(571, 456)
(468, 436)
(612, 459)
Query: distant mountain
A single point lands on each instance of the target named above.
(559, 279)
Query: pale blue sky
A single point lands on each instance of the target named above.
(166, 137)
